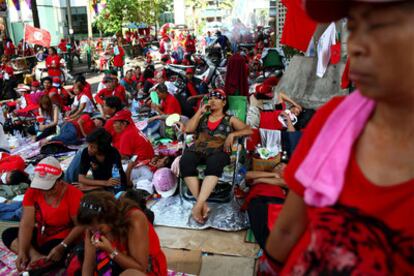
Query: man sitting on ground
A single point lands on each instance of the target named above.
(169, 104)
(100, 157)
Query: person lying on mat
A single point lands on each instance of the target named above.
(215, 133)
(118, 237)
(46, 229)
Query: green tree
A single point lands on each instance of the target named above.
(118, 13)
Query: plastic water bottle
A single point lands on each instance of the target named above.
(241, 176)
(116, 175)
(134, 107)
(285, 158)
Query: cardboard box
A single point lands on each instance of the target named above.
(187, 261)
(264, 165)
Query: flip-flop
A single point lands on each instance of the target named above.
(41, 263)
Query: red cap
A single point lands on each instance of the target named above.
(56, 80)
(264, 89)
(333, 10)
(189, 71)
(35, 84)
(272, 81)
(123, 115)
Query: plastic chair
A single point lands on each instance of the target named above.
(223, 192)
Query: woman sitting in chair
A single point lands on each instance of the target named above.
(215, 132)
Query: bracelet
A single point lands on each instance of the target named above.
(114, 254)
(62, 243)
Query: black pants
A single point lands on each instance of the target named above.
(258, 216)
(215, 163)
(7, 88)
(10, 234)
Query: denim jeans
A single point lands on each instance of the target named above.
(72, 173)
(11, 211)
(68, 134)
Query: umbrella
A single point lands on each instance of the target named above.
(167, 26)
(131, 25)
(142, 26)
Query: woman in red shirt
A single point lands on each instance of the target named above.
(367, 226)
(119, 57)
(47, 226)
(9, 48)
(53, 63)
(118, 231)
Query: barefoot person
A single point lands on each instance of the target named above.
(215, 133)
(351, 178)
(47, 228)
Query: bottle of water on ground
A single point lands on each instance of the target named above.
(117, 175)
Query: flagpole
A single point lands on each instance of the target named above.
(24, 37)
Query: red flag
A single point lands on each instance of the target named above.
(37, 36)
(299, 27)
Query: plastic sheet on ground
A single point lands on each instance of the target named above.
(176, 212)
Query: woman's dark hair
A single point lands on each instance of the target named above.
(114, 103)
(102, 207)
(101, 138)
(226, 106)
(148, 73)
(140, 197)
(81, 78)
(54, 50)
(45, 100)
(47, 79)
(17, 177)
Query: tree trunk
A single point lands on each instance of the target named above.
(35, 13)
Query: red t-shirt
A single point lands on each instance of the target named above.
(88, 124)
(62, 47)
(119, 59)
(368, 221)
(58, 217)
(190, 45)
(87, 90)
(132, 142)
(109, 126)
(10, 163)
(53, 66)
(120, 93)
(104, 93)
(7, 69)
(171, 105)
(9, 50)
(269, 120)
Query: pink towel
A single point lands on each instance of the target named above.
(322, 173)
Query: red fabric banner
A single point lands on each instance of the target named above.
(299, 27)
(37, 36)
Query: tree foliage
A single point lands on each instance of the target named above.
(118, 13)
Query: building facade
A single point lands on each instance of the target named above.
(53, 16)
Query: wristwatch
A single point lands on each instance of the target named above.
(114, 254)
(62, 243)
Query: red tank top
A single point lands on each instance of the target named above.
(158, 261)
(213, 125)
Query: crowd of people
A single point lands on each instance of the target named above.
(335, 204)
